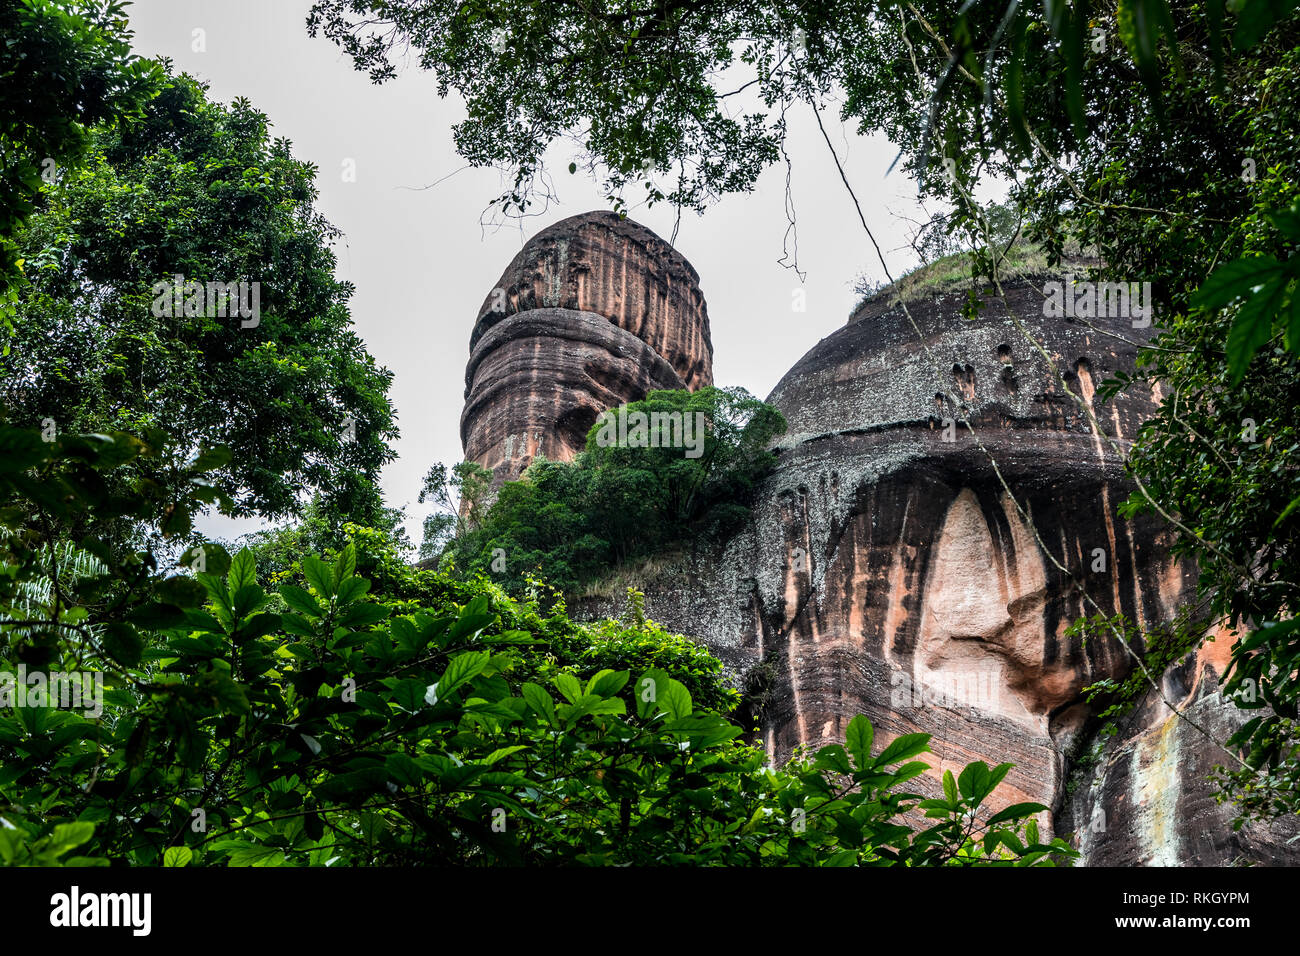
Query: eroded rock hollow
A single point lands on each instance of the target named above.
(897, 563)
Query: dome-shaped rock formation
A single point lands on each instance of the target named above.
(896, 563)
(886, 570)
(594, 311)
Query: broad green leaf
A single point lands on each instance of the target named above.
(1255, 18)
(648, 687)
(675, 700)
(254, 855)
(972, 777)
(345, 564)
(1017, 811)
(607, 683)
(177, 856)
(123, 643)
(210, 459)
(540, 701)
(300, 601)
(68, 836)
(950, 789)
(363, 615)
(318, 575)
(903, 747)
(182, 591)
(243, 571)
(569, 687)
(1253, 327)
(462, 669)
(858, 739)
(1235, 280)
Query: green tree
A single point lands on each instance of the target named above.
(198, 190)
(462, 497)
(449, 724)
(66, 66)
(676, 467)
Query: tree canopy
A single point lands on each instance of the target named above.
(66, 68)
(686, 478)
(108, 338)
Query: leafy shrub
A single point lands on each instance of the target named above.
(326, 725)
(569, 523)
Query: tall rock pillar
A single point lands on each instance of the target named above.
(593, 312)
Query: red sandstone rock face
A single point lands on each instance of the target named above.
(1148, 800)
(597, 262)
(593, 312)
(886, 570)
(538, 380)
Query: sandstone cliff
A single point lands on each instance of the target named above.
(885, 569)
(593, 312)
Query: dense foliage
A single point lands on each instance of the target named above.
(1161, 134)
(65, 67)
(198, 190)
(325, 724)
(626, 497)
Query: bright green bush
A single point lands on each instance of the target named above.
(570, 522)
(440, 722)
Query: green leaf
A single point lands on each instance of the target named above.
(177, 856)
(858, 739)
(1295, 503)
(502, 752)
(462, 669)
(318, 575)
(363, 615)
(346, 563)
(254, 855)
(68, 836)
(352, 588)
(1014, 83)
(903, 747)
(1235, 280)
(607, 683)
(950, 789)
(159, 617)
(210, 459)
(540, 701)
(301, 601)
(1253, 327)
(675, 700)
(647, 689)
(182, 591)
(123, 643)
(247, 599)
(1256, 17)
(569, 687)
(1287, 222)
(1017, 811)
(977, 781)
(243, 571)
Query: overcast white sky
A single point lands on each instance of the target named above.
(422, 263)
